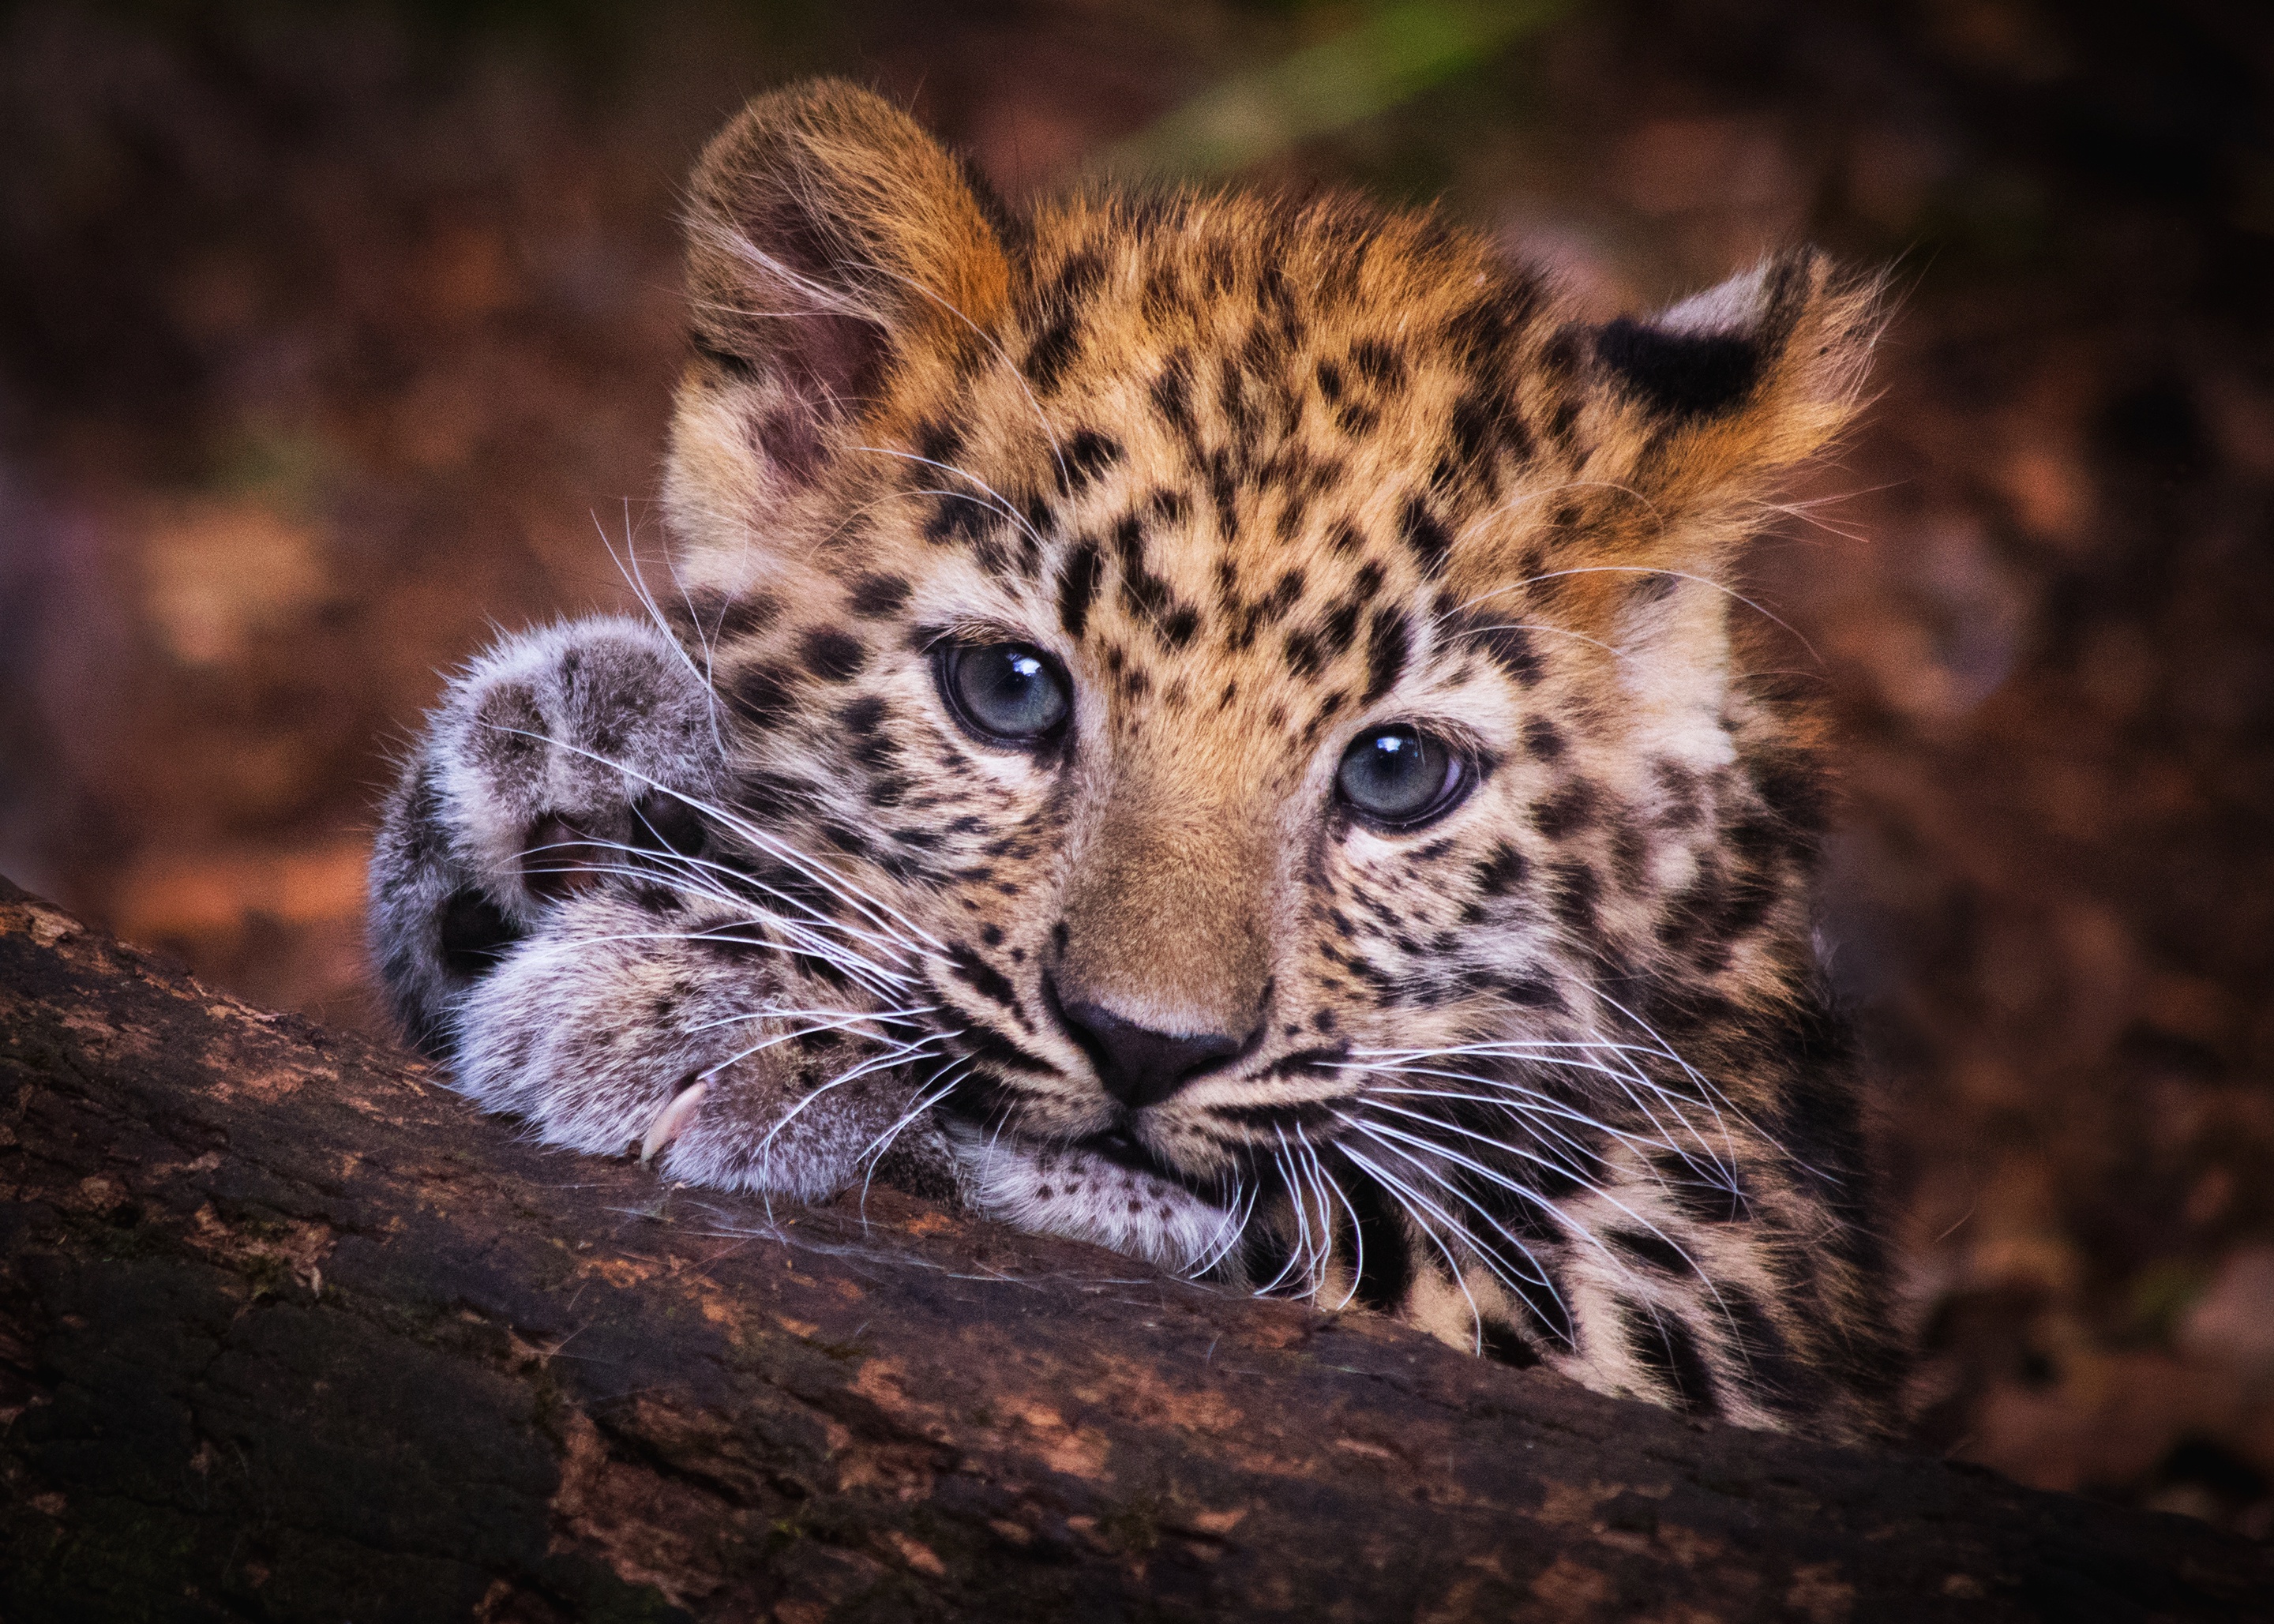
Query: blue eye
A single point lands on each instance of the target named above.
(1008, 693)
(1399, 778)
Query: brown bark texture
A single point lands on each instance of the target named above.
(288, 1332)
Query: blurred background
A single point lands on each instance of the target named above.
(334, 337)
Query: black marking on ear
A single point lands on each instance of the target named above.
(1385, 653)
(1681, 375)
(874, 596)
(1663, 1344)
(1425, 534)
(833, 656)
(1078, 587)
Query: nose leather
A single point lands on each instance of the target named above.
(1138, 1065)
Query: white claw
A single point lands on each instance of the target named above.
(673, 1117)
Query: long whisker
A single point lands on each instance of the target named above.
(1408, 1198)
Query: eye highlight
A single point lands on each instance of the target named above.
(1006, 693)
(1398, 778)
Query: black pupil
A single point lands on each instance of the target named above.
(1393, 772)
(1009, 689)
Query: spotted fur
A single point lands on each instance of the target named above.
(1551, 1077)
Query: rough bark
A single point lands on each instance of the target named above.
(287, 1332)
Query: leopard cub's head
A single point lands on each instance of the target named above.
(1235, 654)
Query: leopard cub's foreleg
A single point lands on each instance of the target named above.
(555, 917)
(553, 761)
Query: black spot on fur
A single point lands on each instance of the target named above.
(937, 441)
(1663, 1344)
(984, 1042)
(875, 596)
(1503, 872)
(475, 932)
(1543, 739)
(1077, 587)
(760, 693)
(1502, 1343)
(1425, 534)
(1655, 1250)
(833, 656)
(1053, 350)
(1508, 647)
(745, 615)
(1682, 375)
(1545, 1303)
(861, 716)
(983, 978)
(1087, 455)
(1769, 1371)
(1568, 810)
(1385, 1264)
(664, 823)
(1172, 392)
(1379, 364)
(1575, 891)
(958, 517)
(1703, 1196)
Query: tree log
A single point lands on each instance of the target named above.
(289, 1331)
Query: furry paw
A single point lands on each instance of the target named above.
(652, 1023)
(562, 756)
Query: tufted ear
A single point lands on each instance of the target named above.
(1679, 424)
(1728, 387)
(832, 248)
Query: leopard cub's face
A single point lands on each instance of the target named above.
(1260, 673)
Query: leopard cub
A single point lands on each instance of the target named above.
(1209, 725)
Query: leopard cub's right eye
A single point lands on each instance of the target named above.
(1007, 693)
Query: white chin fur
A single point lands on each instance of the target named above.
(1058, 1189)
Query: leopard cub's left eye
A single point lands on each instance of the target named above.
(1007, 693)
(1399, 778)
